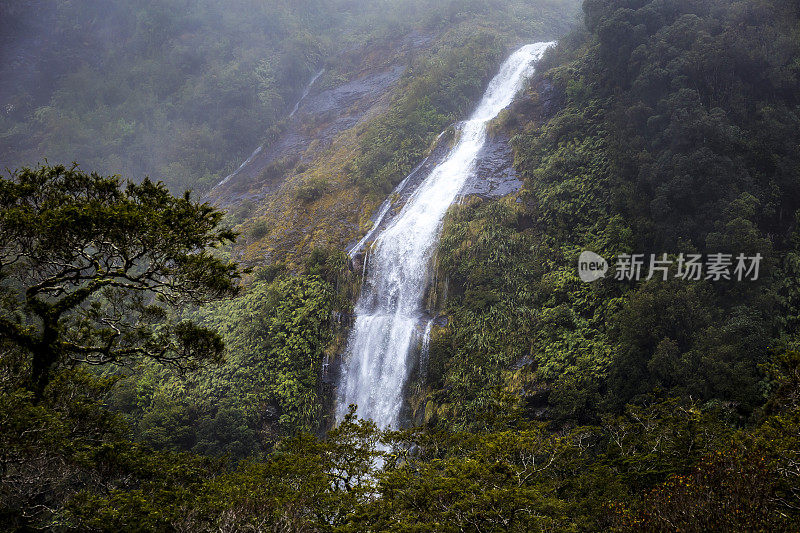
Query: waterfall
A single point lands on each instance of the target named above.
(386, 205)
(390, 305)
(246, 162)
(306, 92)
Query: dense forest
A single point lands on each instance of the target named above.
(169, 365)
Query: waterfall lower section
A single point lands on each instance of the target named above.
(389, 314)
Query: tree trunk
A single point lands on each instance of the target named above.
(45, 356)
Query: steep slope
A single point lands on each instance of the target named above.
(545, 402)
(305, 198)
(364, 126)
(390, 309)
(664, 128)
(184, 91)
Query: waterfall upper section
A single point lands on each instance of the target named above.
(389, 312)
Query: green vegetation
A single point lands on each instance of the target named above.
(90, 271)
(267, 387)
(328, 200)
(78, 472)
(447, 87)
(548, 404)
(652, 150)
(175, 89)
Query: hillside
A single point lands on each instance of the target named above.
(185, 91)
(658, 130)
(371, 219)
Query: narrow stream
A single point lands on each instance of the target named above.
(247, 161)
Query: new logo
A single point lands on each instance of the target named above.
(591, 267)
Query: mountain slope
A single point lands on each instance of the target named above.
(663, 128)
(184, 91)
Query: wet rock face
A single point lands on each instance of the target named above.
(344, 96)
(494, 175)
(326, 110)
(320, 117)
(552, 100)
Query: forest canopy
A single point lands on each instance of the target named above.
(543, 403)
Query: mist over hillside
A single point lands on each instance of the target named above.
(184, 91)
(458, 265)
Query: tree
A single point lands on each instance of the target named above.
(91, 271)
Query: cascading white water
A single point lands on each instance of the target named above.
(390, 306)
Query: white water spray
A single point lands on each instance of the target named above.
(426, 348)
(390, 306)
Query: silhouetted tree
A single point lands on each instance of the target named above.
(90, 271)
